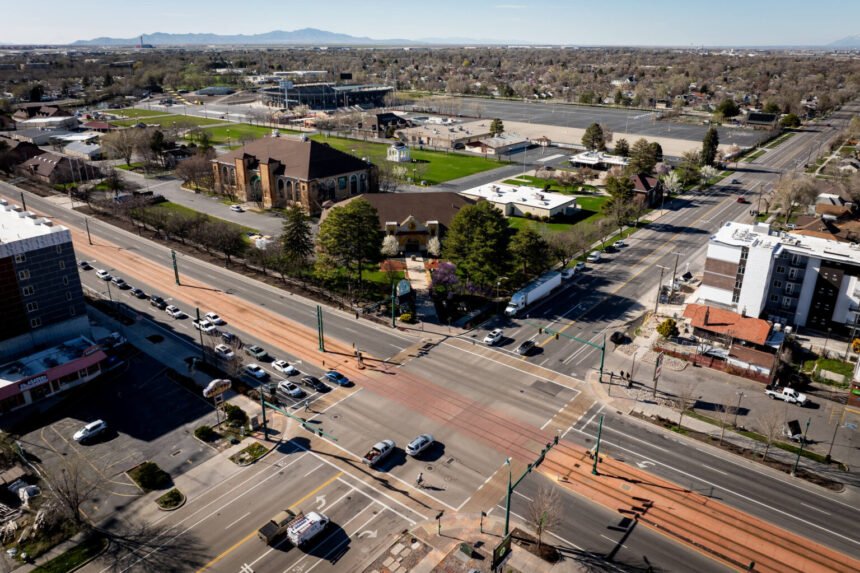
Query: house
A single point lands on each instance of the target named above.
(647, 190)
(542, 141)
(523, 201)
(761, 119)
(99, 126)
(398, 153)
(282, 171)
(50, 168)
(37, 136)
(82, 150)
(18, 152)
(413, 218)
(499, 144)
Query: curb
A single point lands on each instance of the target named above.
(184, 500)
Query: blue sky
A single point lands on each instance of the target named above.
(583, 22)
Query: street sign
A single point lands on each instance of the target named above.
(216, 387)
(502, 553)
(658, 366)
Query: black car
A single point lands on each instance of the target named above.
(315, 383)
(618, 337)
(158, 302)
(525, 348)
(85, 266)
(136, 292)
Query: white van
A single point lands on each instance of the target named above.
(306, 528)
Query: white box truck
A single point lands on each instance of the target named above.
(533, 292)
(305, 528)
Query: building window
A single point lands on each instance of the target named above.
(786, 302)
(59, 249)
(792, 273)
(777, 284)
(62, 265)
(789, 288)
(72, 311)
(32, 306)
(24, 275)
(774, 298)
(68, 296)
(780, 269)
(22, 258)
(27, 290)
(66, 281)
(35, 322)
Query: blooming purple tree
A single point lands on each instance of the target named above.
(444, 279)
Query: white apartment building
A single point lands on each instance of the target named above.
(789, 278)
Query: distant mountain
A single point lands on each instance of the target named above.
(846, 42)
(305, 36)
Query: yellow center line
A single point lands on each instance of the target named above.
(242, 541)
(656, 254)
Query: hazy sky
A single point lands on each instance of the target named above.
(604, 22)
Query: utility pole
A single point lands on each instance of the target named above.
(800, 450)
(320, 333)
(674, 272)
(738, 409)
(393, 323)
(200, 332)
(87, 225)
(597, 447)
(23, 202)
(175, 267)
(513, 486)
(659, 287)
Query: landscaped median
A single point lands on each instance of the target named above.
(75, 557)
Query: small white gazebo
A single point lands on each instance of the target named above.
(399, 153)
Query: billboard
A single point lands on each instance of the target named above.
(217, 386)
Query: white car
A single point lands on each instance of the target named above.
(290, 389)
(225, 352)
(214, 319)
(237, 208)
(285, 367)
(579, 267)
(620, 244)
(419, 444)
(103, 275)
(205, 326)
(593, 257)
(90, 431)
(493, 337)
(174, 311)
(255, 371)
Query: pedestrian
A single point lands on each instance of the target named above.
(420, 479)
(307, 405)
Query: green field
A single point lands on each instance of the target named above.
(177, 208)
(590, 212)
(132, 112)
(169, 121)
(433, 166)
(753, 156)
(234, 133)
(74, 557)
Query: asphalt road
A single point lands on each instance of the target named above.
(617, 120)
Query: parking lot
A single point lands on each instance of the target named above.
(149, 418)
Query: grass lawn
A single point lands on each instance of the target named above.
(437, 166)
(753, 156)
(381, 277)
(233, 133)
(130, 167)
(779, 140)
(134, 112)
(74, 557)
(177, 208)
(835, 366)
(522, 223)
(169, 121)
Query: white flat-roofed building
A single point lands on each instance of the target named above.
(598, 159)
(500, 144)
(516, 201)
(793, 279)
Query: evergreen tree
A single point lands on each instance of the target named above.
(477, 243)
(642, 158)
(530, 252)
(497, 127)
(622, 148)
(594, 139)
(297, 241)
(350, 236)
(709, 146)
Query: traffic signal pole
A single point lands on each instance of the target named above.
(513, 486)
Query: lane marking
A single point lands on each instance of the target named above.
(388, 507)
(815, 508)
(319, 465)
(525, 497)
(232, 523)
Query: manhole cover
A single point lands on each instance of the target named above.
(176, 453)
(449, 461)
(429, 468)
(335, 416)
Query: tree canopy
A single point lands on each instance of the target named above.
(728, 108)
(350, 236)
(530, 252)
(594, 139)
(643, 158)
(710, 145)
(477, 244)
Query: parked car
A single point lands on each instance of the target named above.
(593, 257)
(493, 337)
(230, 338)
(138, 293)
(285, 367)
(579, 267)
(255, 371)
(157, 302)
(90, 431)
(214, 318)
(225, 352)
(120, 283)
(743, 200)
(337, 378)
(568, 273)
(419, 444)
(736, 181)
(315, 384)
(174, 311)
(103, 275)
(85, 266)
(257, 352)
(290, 389)
(237, 208)
(620, 243)
(204, 326)
(525, 348)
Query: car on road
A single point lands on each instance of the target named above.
(493, 337)
(419, 444)
(290, 389)
(255, 371)
(285, 367)
(593, 257)
(619, 244)
(90, 431)
(174, 311)
(257, 352)
(225, 352)
(138, 293)
(743, 200)
(617, 337)
(214, 318)
(337, 378)
(568, 273)
(103, 275)
(579, 267)
(120, 283)
(736, 181)
(204, 326)
(85, 266)
(230, 338)
(237, 208)
(526, 347)
(315, 384)
(157, 302)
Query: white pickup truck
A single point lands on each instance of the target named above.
(789, 395)
(378, 452)
(204, 325)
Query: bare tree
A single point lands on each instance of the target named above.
(150, 548)
(770, 424)
(725, 414)
(544, 511)
(122, 144)
(685, 400)
(196, 171)
(71, 487)
(794, 191)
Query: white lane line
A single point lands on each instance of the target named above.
(815, 508)
(318, 466)
(714, 469)
(330, 406)
(612, 541)
(357, 489)
(727, 490)
(557, 412)
(232, 523)
(525, 497)
(325, 557)
(550, 158)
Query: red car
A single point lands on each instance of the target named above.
(742, 200)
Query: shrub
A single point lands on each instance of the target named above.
(206, 433)
(236, 416)
(406, 317)
(170, 499)
(149, 476)
(668, 328)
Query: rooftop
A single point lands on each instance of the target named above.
(477, 129)
(761, 236)
(595, 157)
(529, 196)
(44, 360)
(18, 225)
(714, 319)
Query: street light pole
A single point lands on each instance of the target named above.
(800, 451)
(659, 287)
(508, 498)
(597, 446)
(738, 408)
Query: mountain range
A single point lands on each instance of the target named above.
(848, 42)
(305, 36)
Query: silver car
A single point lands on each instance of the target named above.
(419, 444)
